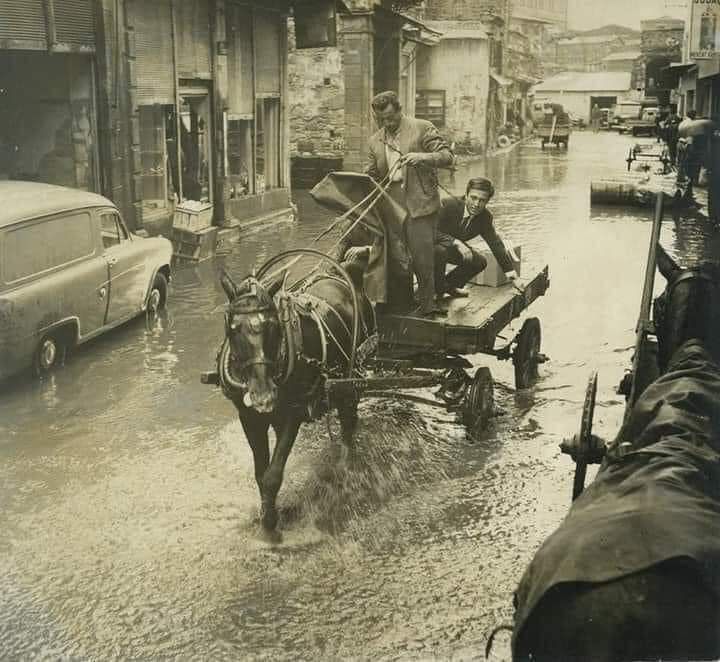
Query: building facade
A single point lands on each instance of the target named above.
(331, 87)
(661, 44)
(578, 92)
(150, 102)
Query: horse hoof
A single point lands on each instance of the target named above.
(272, 536)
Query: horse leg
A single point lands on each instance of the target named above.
(286, 430)
(256, 430)
(347, 413)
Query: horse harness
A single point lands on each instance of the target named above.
(291, 308)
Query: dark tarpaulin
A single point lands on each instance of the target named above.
(659, 502)
(388, 272)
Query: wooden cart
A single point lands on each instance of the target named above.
(415, 352)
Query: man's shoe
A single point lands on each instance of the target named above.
(458, 293)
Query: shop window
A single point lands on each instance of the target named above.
(240, 164)
(267, 144)
(154, 158)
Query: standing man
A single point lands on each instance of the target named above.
(463, 219)
(407, 152)
(595, 118)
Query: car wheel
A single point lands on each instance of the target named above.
(49, 354)
(158, 293)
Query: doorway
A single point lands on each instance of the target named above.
(194, 123)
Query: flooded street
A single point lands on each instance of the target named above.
(129, 507)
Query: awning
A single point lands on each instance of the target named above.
(670, 75)
(500, 80)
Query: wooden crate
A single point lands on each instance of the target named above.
(194, 246)
(193, 219)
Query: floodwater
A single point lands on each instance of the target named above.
(129, 509)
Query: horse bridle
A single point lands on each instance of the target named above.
(272, 364)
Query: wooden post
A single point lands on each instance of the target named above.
(176, 82)
(644, 325)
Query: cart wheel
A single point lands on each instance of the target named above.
(526, 356)
(479, 406)
(585, 437)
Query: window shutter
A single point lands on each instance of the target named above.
(240, 62)
(153, 51)
(23, 21)
(192, 21)
(267, 52)
(74, 22)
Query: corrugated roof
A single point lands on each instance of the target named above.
(623, 55)
(21, 200)
(579, 81)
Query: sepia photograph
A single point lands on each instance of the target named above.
(360, 330)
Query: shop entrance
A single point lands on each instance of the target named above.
(47, 119)
(195, 141)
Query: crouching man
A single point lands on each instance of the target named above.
(461, 220)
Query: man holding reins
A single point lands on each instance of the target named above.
(403, 156)
(460, 221)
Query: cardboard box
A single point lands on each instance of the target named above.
(493, 275)
(193, 218)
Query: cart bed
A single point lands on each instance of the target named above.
(469, 325)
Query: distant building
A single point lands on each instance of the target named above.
(578, 92)
(661, 44)
(584, 51)
(551, 12)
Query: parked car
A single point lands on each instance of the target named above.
(577, 121)
(69, 271)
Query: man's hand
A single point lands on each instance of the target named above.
(357, 253)
(464, 250)
(415, 158)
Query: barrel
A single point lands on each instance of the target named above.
(630, 190)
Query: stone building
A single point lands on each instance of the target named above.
(331, 86)
(661, 44)
(150, 102)
(585, 50)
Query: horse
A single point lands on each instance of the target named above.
(279, 348)
(633, 572)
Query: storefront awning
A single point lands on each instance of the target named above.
(670, 75)
(500, 80)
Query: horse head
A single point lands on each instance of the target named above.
(688, 309)
(254, 337)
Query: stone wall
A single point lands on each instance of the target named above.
(317, 100)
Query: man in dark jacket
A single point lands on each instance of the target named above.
(460, 220)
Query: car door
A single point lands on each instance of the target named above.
(128, 271)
